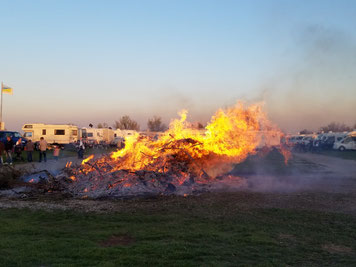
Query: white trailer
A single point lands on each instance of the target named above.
(52, 133)
(97, 135)
(124, 133)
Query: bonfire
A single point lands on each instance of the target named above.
(180, 160)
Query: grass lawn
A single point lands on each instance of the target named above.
(185, 233)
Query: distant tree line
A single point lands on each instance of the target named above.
(154, 124)
(126, 123)
(333, 127)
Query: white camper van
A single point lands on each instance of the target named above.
(124, 133)
(52, 133)
(97, 135)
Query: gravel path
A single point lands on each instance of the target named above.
(335, 166)
(51, 165)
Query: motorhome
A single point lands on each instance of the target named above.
(52, 133)
(124, 133)
(97, 135)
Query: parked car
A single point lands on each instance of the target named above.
(307, 139)
(348, 143)
(295, 139)
(14, 136)
(328, 140)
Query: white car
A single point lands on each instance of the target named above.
(307, 139)
(296, 139)
(348, 143)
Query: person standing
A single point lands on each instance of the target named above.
(43, 148)
(56, 150)
(81, 148)
(9, 146)
(2, 150)
(29, 149)
(18, 149)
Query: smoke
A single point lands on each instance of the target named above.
(306, 172)
(320, 86)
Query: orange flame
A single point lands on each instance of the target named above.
(68, 164)
(230, 136)
(87, 159)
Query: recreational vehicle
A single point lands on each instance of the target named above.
(124, 133)
(97, 135)
(52, 133)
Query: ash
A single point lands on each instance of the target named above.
(127, 184)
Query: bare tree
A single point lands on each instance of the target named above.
(305, 131)
(126, 123)
(155, 124)
(335, 127)
(200, 125)
(102, 125)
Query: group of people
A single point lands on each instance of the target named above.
(7, 148)
(10, 148)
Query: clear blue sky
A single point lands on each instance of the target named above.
(94, 61)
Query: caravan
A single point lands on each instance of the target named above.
(94, 136)
(52, 133)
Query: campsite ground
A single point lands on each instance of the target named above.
(304, 213)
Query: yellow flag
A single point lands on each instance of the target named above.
(6, 89)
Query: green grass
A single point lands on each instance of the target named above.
(186, 233)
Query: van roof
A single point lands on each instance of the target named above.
(49, 125)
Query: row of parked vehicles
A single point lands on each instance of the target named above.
(67, 134)
(324, 141)
(64, 134)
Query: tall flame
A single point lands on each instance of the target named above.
(230, 136)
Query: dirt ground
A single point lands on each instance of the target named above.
(331, 189)
(337, 166)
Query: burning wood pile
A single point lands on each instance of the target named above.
(182, 160)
